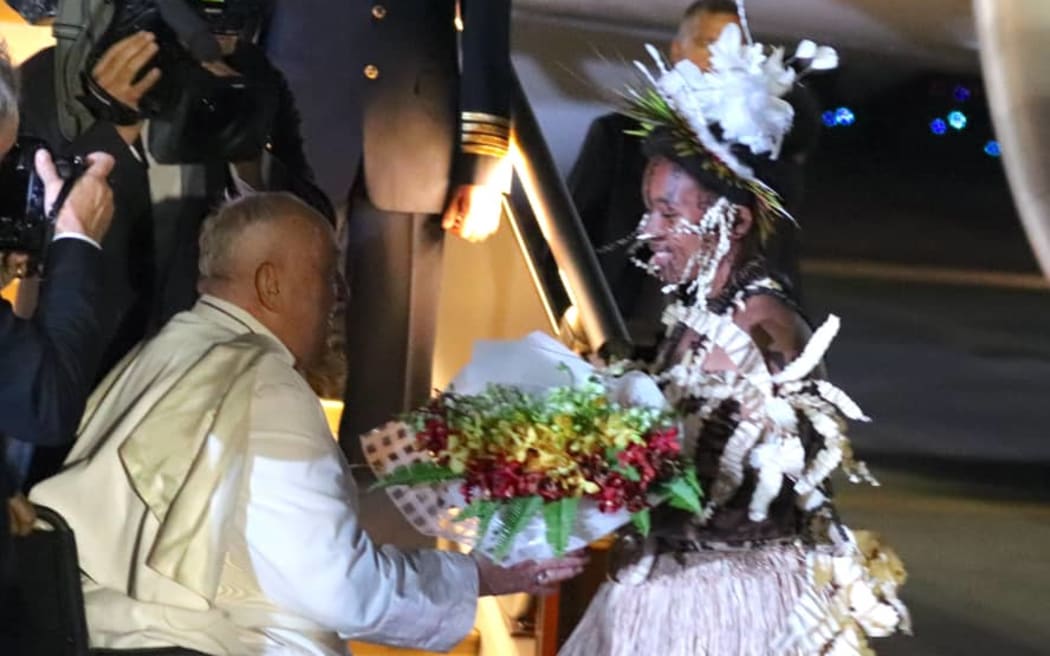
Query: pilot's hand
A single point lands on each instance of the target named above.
(474, 212)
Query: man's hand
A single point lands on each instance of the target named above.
(117, 72)
(21, 515)
(88, 209)
(473, 212)
(530, 577)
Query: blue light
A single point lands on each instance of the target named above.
(992, 149)
(961, 93)
(829, 118)
(844, 116)
(957, 120)
(938, 126)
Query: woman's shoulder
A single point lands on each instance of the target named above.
(776, 327)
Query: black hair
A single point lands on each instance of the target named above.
(711, 7)
(662, 143)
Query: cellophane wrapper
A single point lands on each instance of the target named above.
(533, 364)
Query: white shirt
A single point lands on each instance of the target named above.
(77, 235)
(300, 575)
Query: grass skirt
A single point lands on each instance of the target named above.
(715, 603)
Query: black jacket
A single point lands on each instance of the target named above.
(49, 364)
(50, 361)
(606, 186)
(380, 83)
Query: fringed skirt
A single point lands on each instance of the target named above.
(710, 603)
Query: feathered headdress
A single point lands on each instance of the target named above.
(723, 124)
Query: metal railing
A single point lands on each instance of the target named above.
(559, 255)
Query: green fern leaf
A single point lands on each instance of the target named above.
(423, 472)
(642, 521)
(560, 517)
(684, 492)
(485, 516)
(514, 517)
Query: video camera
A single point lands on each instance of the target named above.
(24, 225)
(195, 115)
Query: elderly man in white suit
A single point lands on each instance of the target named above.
(212, 508)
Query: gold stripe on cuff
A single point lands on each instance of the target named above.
(486, 151)
(482, 117)
(486, 141)
(486, 128)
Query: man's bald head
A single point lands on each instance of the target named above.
(274, 256)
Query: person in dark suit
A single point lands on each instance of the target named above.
(49, 361)
(606, 180)
(398, 132)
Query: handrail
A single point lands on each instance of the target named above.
(543, 195)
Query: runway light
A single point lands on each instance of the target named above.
(844, 116)
(957, 120)
(992, 149)
(961, 93)
(938, 126)
(841, 117)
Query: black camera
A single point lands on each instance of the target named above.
(25, 226)
(195, 115)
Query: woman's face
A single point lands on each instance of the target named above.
(676, 204)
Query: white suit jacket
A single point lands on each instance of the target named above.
(293, 573)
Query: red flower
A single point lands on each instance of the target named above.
(665, 441)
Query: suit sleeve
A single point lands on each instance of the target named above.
(592, 178)
(285, 167)
(485, 94)
(332, 573)
(50, 360)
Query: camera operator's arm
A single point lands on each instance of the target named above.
(117, 73)
(49, 361)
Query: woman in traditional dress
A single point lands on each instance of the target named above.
(767, 568)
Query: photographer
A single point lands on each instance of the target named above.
(127, 99)
(49, 362)
(130, 96)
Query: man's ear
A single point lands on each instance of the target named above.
(676, 50)
(268, 286)
(745, 219)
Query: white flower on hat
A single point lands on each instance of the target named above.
(743, 92)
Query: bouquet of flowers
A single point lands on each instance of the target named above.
(530, 470)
